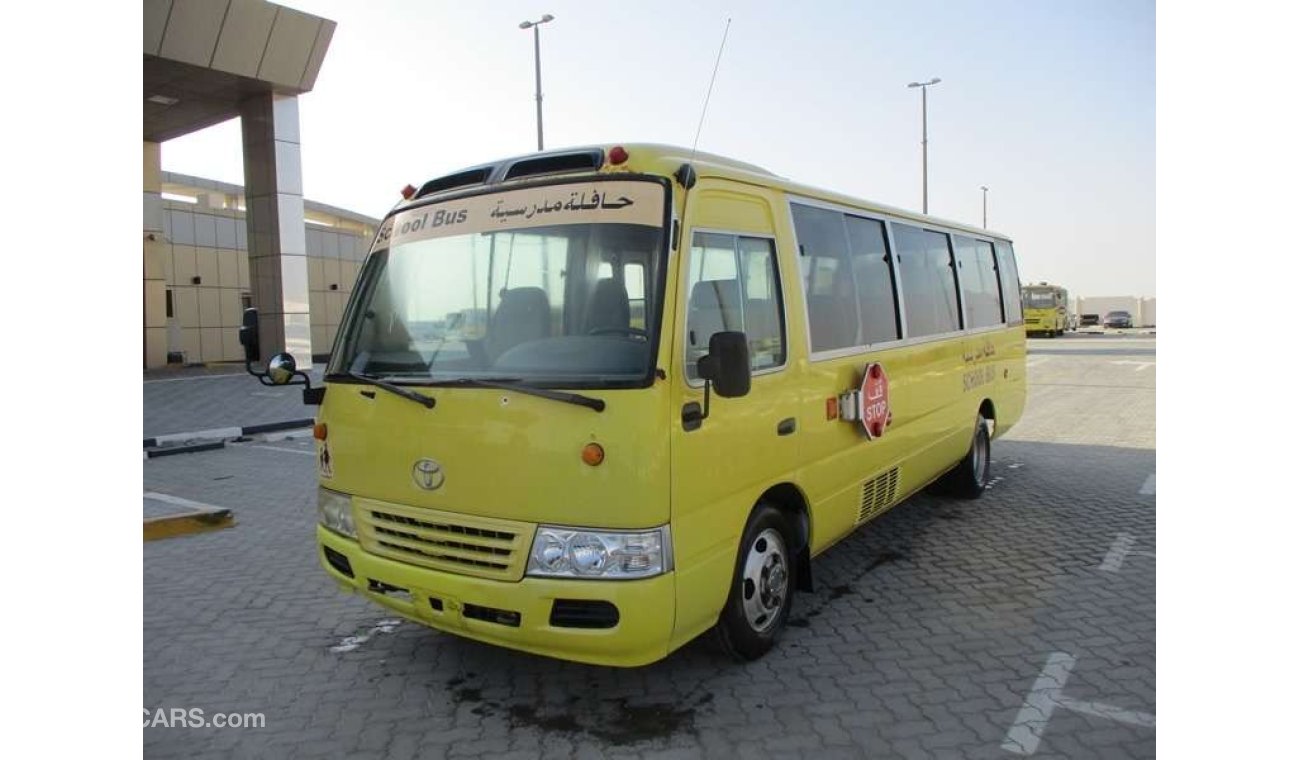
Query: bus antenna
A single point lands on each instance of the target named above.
(709, 94)
(685, 173)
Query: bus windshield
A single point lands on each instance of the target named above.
(564, 305)
(1040, 299)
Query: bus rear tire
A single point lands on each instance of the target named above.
(970, 477)
(762, 587)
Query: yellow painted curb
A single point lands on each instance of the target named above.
(171, 526)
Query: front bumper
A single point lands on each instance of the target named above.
(521, 611)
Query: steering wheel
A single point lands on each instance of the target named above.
(632, 331)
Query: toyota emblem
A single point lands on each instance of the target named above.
(427, 474)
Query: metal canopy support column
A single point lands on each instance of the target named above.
(277, 243)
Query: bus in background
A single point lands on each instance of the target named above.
(594, 403)
(1046, 309)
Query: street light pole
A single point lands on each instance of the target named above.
(986, 205)
(925, 145)
(537, 60)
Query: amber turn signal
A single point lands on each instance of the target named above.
(319, 431)
(593, 454)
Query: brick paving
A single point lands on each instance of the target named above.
(925, 635)
(203, 399)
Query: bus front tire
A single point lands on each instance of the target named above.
(762, 587)
(970, 477)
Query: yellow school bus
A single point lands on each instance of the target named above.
(594, 403)
(1046, 309)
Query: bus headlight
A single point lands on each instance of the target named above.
(334, 510)
(568, 553)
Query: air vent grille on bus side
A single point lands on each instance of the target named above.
(466, 178)
(878, 494)
(586, 160)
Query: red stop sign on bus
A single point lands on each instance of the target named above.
(873, 401)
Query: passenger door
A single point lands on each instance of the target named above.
(729, 280)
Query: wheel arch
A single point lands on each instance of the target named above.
(989, 412)
(792, 503)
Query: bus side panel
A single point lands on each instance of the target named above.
(921, 439)
(1010, 386)
(935, 392)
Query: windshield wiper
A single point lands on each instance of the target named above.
(427, 401)
(517, 386)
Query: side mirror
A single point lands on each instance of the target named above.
(727, 364)
(248, 336)
(281, 369)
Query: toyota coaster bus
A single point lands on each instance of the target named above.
(1046, 309)
(593, 403)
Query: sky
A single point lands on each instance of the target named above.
(1051, 105)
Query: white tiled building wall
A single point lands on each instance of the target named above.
(206, 271)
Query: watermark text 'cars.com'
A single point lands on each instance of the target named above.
(195, 717)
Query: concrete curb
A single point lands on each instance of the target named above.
(214, 438)
(188, 517)
(170, 526)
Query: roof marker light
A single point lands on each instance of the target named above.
(617, 155)
(407, 192)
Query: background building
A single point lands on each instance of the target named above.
(203, 257)
(205, 62)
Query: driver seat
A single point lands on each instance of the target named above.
(523, 315)
(608, 308)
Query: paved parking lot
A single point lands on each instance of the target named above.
(1022, 624)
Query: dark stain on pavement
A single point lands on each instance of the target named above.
(819, 601)
(884, 558)
(617, 722)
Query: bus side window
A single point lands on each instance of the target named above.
(634, 281)
(833, 310)
(929, 285)
(1010, 283)
(733, 286)
(762, 303)
(874, 278)
(979, 281)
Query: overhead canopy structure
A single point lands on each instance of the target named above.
(208, 61)
(202, 58)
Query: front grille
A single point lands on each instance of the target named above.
(484, 547)
(878, 494)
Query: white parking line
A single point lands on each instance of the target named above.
(195, 377)
(1022, 738)
(286, 436)
(1120, 549)
(281, 448)
(177, 501)
(212, 433)
(1099, 710)
(1122, 545)
(1045, 696)
(1141, 366)
(1149, 487)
